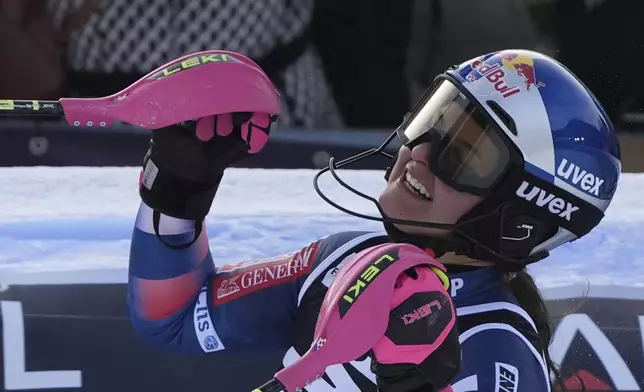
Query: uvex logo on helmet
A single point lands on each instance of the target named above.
(587, 181)
(555, 205)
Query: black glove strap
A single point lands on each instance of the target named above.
(156, 219)
(178, 198)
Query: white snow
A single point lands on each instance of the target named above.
(74, 224)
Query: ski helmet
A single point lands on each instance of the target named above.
(545, 157)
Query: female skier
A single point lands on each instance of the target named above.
(506, 157)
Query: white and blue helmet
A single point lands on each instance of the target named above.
(519, 129)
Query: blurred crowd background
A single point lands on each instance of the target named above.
(348, 70)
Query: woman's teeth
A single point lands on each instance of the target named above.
(417, 187)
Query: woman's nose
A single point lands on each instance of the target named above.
(421, 152)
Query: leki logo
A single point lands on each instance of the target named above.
(367, 276)
(192, 62)
(555, 205)
(421, 312)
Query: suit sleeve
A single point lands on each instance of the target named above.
(497, 358)
(179, 300)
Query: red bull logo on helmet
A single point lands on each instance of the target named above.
(524, 66)
(495, 73)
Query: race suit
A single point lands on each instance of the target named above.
(179, 300)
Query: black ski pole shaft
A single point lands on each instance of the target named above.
(10, 107)
(271, 386)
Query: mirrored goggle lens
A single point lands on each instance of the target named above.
(466, 149)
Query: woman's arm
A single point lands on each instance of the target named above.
(179, 300)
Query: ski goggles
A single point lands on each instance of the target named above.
(468, 150)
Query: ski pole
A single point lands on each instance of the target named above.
(195, 86)
(354, 315)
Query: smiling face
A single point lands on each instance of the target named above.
(447, 135)
(413, 192)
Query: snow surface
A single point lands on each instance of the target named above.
(61, 225)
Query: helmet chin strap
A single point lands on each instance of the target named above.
(509, 230)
